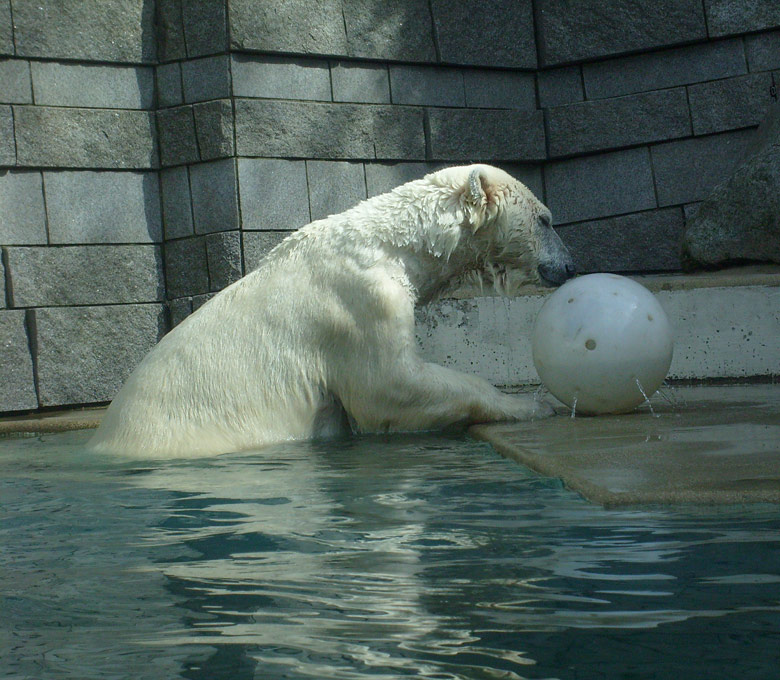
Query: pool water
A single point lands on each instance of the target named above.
(425, 556)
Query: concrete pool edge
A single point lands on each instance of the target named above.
(720, 447)
(51, 421)
(610, 499)
(726, 325)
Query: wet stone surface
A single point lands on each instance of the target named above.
(701, 444)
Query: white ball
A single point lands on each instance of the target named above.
(600, 341)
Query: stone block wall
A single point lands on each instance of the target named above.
(151, 152)
(81, 232)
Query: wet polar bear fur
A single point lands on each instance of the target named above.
(322, 333)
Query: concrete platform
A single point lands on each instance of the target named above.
(712, 445)
(57, 421)
(726, 325)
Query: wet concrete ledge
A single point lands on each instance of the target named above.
(735, 276)
(53, 421)
(710, 445)
(726, 325)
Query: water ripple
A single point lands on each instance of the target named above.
(429, 557)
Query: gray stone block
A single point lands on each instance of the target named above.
(687, 170)
(334, 187)
(384, 177)
(730, 104)
(690, 210)
(293, 26)
(84, 354)
(398, 30)
(90, 85)
(763, 51)
(18, 392)
(575, 30)
(560, 86)
(186, 267)
(359, 82)
(178, 310)
(665, 68)
(768, 133)
(726, 17)
(530, 175)
(214, 128)
(498, 34)
(7, 145)
(98, 30)
(620, 122)
(23, 220)
(176, 203)
(257, 244)
(499, 89)
(85, 275)
(206, 79)
(354, 131)
(600, 186)
(274, 194)
(170, 31)
(427, 86)
(482, 134)
(84, 138)
(103, 207)
(205, 26)
(214, 189)
(15, 80)
(223, 252)
(178, 143)
(6, 28)
(280, 78)
(642, 242)
(199, 300)
(169, 86)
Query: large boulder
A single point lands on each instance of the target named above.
(740, 220)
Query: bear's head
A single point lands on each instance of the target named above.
(507, 238)
(512, 232)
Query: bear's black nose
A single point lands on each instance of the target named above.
(556, 273)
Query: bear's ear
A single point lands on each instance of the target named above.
(477, 191)
(481, 197)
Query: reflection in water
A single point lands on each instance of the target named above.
(423, 556)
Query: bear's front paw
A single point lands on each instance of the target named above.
(527, 407)
(542, 409)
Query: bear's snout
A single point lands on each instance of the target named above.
(556, 265)
(557, 273)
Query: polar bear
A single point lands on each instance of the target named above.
(320, 336)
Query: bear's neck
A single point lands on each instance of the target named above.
(421, 225)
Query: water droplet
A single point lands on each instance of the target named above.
(647, 400)
(590, 343)
(673, 397)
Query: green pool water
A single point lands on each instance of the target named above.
(425, 556)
